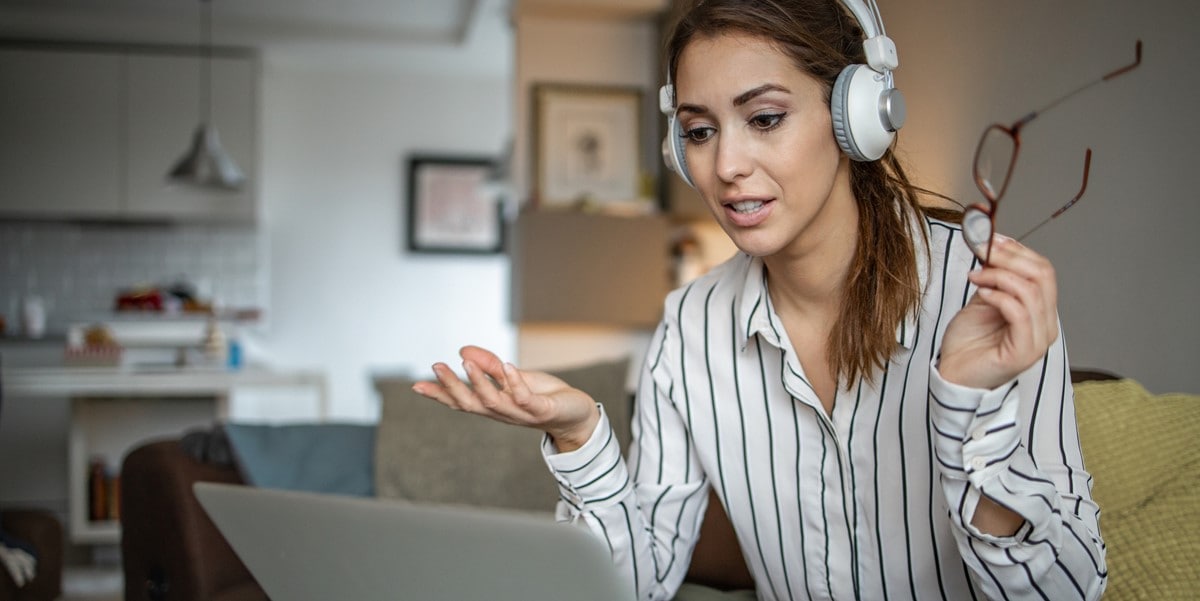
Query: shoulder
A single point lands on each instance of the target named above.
(949, 258)
(941, 225)
(944, 234)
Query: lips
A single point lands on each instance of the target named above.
(747, 212)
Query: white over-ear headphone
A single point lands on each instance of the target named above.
(866, 107)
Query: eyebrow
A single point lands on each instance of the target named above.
(749, 95)
(738, 100)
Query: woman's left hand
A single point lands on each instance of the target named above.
(1009, 323)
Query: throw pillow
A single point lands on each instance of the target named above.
(430, 453)
(327, 458)
(1141, 451)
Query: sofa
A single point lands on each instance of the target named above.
(423, 452)
(419, 451)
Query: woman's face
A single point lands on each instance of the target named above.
(760, 146)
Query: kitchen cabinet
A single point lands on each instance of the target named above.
(60, 133)
(162, 112)
(90, 131)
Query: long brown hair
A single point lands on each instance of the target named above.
(883, 283)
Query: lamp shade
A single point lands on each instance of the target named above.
(206, 164)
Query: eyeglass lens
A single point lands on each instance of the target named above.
(994, 162)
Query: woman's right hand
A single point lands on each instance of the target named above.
(525, 398)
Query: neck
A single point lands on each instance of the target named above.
(810, 275)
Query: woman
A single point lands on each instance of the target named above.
(881, 416)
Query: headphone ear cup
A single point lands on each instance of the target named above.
(855, 108)
(674, 152)
(838, 112)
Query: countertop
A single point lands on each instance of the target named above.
(149, 380)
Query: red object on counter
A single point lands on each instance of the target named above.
(147, 299)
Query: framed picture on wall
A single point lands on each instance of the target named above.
(451, 207)
(586, 144)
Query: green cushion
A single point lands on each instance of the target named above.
(1142, 452)
(327, 458)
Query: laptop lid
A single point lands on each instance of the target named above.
(304, 546)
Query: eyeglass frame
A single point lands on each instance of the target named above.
(1014, 132)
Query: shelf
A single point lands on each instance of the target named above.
(109, 428)
(96, 533)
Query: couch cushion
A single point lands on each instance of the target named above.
(427, 452)
(330, 457)
(1142, 453)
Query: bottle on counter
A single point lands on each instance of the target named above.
(234, 359)
(97, 489)
(216, 347)
(112, 484)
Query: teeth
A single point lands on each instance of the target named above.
(747, 206)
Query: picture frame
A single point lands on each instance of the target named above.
(450, 206)
(586, 144)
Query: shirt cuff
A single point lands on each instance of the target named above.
(976, 429)
(595, 473)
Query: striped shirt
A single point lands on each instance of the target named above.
(871, 502)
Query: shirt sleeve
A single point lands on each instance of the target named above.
(647, 509)
(1019, 445)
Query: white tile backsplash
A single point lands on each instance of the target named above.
(78, 268)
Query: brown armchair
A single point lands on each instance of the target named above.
(44, 533)
(169, 547)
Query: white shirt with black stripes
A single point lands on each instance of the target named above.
(871, 502)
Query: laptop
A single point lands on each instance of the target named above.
(303, 546)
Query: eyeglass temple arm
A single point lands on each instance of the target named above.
(1121, 71)
(1127, 68)
(1087, 169)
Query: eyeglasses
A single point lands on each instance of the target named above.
(994, 160)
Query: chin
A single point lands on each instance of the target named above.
(754, 245)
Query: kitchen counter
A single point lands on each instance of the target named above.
(151, 381)
(113, 409)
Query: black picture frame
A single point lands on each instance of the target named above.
(451, 208)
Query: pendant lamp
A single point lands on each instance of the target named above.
(206, 164)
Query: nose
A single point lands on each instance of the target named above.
(733, 159)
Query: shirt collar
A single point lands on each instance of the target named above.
(754, 312)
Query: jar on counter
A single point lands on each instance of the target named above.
(33, 317)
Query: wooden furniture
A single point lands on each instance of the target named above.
(41, 530)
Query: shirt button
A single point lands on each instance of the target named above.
(978, 463)
(978, 435)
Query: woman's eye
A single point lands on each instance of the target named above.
(698, 134)
(767, 121)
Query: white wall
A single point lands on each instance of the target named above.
(1127, 254)
(345, 295)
